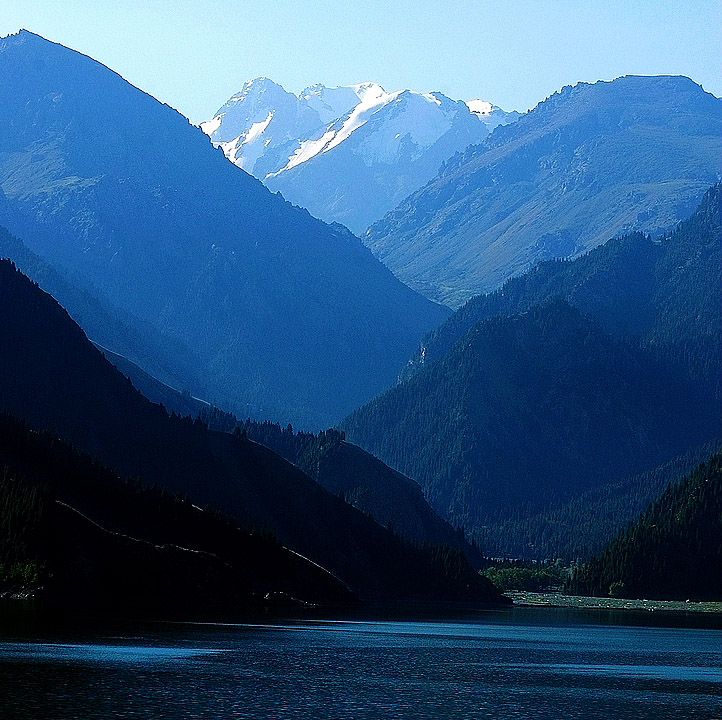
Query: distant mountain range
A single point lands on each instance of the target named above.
(287, 317)
(347, 154)
(578, 374)
(590, 162)
(574, 375)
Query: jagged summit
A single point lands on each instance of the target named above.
(347, 153)
(634, 90)
(21, 36)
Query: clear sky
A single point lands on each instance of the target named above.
(195, 54)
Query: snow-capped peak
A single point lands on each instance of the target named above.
(480, 107)
(368, 89)
(329, 102)
(269, 131)
(256, 86)
(373, 97)
(491, 115)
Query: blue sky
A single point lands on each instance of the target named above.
(194, 55)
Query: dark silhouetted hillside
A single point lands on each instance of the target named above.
(55, 379)
(672, 552)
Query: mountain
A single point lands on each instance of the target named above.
(672, 552)
(347, 154)
(174, 401)
(576, 375)
(363, 481)
(596, 515)
(590, 162)
(289, 318)
(528, 410)
(54, 379)
(344, 469)
(168, 359)
(665, 293)
(72, 532)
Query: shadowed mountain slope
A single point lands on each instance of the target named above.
(363, 481)
(107, 326)
(71, 531)
(54, 378)
(519, 403)
(290, 318)
(664, 293)
(392, 499)
(528, 410)
(672, 552)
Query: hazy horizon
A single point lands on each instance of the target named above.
(194, 58)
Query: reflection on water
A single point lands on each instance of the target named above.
(510, 665)
(92, 653)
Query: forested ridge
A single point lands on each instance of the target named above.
(392, 499)
(55, 379)
(72, 531)
(664, 292)
(575, 376)
(594, 516)
(672, 552)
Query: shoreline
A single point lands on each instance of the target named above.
(524, 598)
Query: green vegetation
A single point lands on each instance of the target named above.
(23, 532)
(672, 552)
(534, 578)
(558, 599)
(544, 404)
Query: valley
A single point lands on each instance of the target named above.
(347, 346)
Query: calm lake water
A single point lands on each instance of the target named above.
(521, 663)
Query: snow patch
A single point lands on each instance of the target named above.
(230, 150)
(432, 98)
(330, 103)
(306, 150)
(257, 128)
(210, 126)
(373, 98)
(480, 107)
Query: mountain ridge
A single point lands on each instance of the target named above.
(589, 162)
(352, 156)
(290, 318)
(55, 379)
(577, 374)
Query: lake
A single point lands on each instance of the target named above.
(509, 663)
